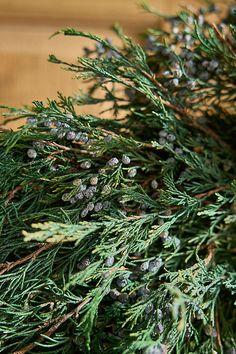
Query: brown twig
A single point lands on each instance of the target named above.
(5, 267)
(58, 322)
(218, 333)
(211, 192)
(12, 193)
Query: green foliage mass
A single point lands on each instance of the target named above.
(118, 230)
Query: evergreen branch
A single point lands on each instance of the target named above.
(58, 322)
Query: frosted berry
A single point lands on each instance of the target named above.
(191, 84)
(178, 151)
(149, 308)
(155, 265)
(162, 141)
(84, 138)
(31, 120)
(85, 165)
(90, 206)
(132, 172)
(110, 261)
(113, 162)
(171, 137)
(144, 266)
(162, 133)
(154, 184)
(93, 181)
(121, 282)
(174, 82)
(32, 153)
(70, 135)
(125, 160)
(98, 207)
(83, 264)
(114, 293)
(84, 213)
(79, 196)
(156, 349)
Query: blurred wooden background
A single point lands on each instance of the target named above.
(25, 27)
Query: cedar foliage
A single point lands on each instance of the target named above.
(118, 234)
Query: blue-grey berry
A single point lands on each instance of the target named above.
(154, 184)
(174, 82)
(171, 137)
(93, 181)
(162, 141)
(70, 135)
(88, 193)
(92, 189)
(73, 200)
(156, 349)
(144, 266)
(31, 120)
(113, 162)
(82, 187)
(159, 328)
(155, 265)
(178, 151)
(162, 133)
(159, 314)
(110, 261)
(84, 213)
(125, 160)
(114, 293)
(149, 307)
(121, 282)
(79, 196)
(98, 207)
(54, 131)
(100, 49)
(90, 206)
(85, 165)
(84, 138)
(77, 136)
(32, 153)
(132, 172)
(83, 264)
(191, 84)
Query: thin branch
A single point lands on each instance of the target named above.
(211, 192)
(58, 322)
(5, 267)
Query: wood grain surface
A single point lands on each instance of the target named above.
(25, 27)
